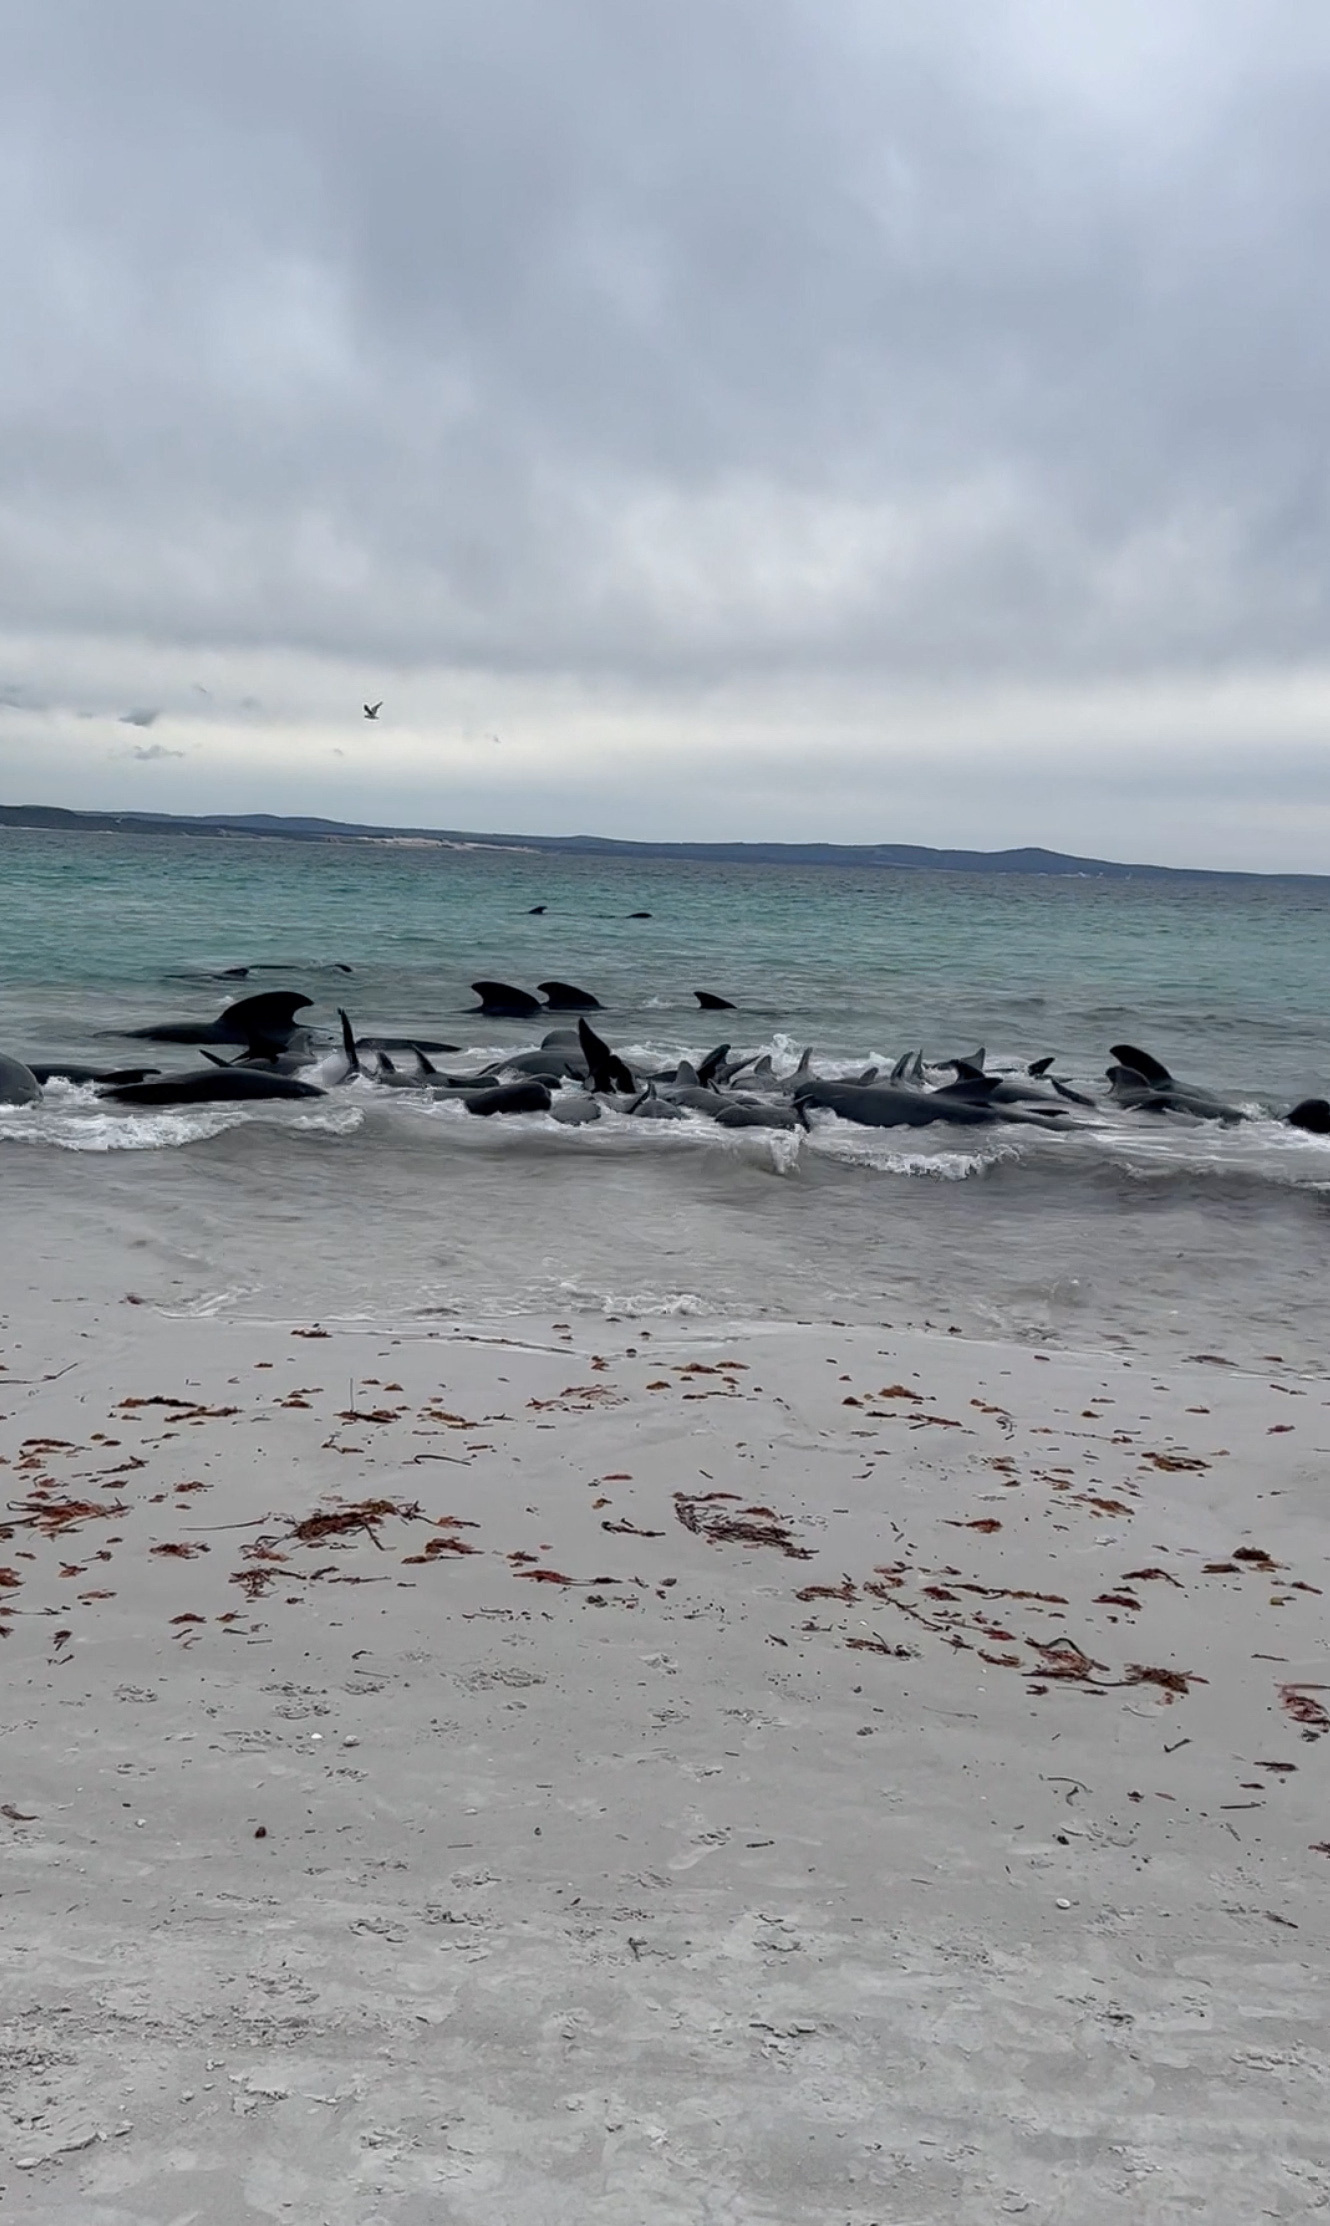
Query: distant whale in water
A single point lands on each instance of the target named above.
(263, 1025)
(18, 1084)
(710, 1003)
(500, 1001)
(211, 1086)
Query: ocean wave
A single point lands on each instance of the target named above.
(78, 1121)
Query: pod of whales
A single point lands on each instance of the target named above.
(257, 1049)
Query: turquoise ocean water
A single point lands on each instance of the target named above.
(1161, 1236)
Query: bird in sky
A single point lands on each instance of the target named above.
(372, 710)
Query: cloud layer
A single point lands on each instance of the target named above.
(773, 383)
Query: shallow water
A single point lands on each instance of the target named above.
(1166, 1236)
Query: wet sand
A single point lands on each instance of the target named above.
(658, 1775)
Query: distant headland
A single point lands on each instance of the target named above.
(892, 856)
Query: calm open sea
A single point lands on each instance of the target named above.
(1164, 1236)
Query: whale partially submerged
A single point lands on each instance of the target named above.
(566, 997)
(500, 1001)
(1139, 1082)
(18, 1084)
(235, 1085)
(262, 1025)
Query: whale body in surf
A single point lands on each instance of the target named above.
(262, 1025)
(211, 1086)
(18, 1084)
(1143, 1085)
(897, 1105)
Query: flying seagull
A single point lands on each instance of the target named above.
(372, 710)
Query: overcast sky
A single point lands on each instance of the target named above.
(843, 419)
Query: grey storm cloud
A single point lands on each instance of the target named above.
(151, 753)
(139, 718)
(670, 341)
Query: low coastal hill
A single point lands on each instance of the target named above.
(907, 857)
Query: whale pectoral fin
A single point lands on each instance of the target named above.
(215, 1059)
(1065, 1090)
(1140, 1062)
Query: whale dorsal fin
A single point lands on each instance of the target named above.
(1140, 1062)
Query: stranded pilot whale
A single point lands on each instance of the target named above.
(263, 1025)
(500, 1001)
(566, 997)
(211, 1086)
(18, 1084)
(1143, 1085)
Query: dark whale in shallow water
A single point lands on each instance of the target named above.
(211, 1086)
(711, 1003)
(18, 1084)
(404, 1043)
(890, 1105)
(566, 997)
(994, 1089)
(500, 1001)
(1141, 1084)
(263, 1025)
(509, 1097)
(1312, 1114)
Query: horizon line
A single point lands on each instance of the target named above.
(1033, 859)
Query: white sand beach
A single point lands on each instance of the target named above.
(795, 1774)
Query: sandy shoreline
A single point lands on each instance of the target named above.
(567, 1840)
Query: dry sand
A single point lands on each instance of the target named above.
(787, 1775)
